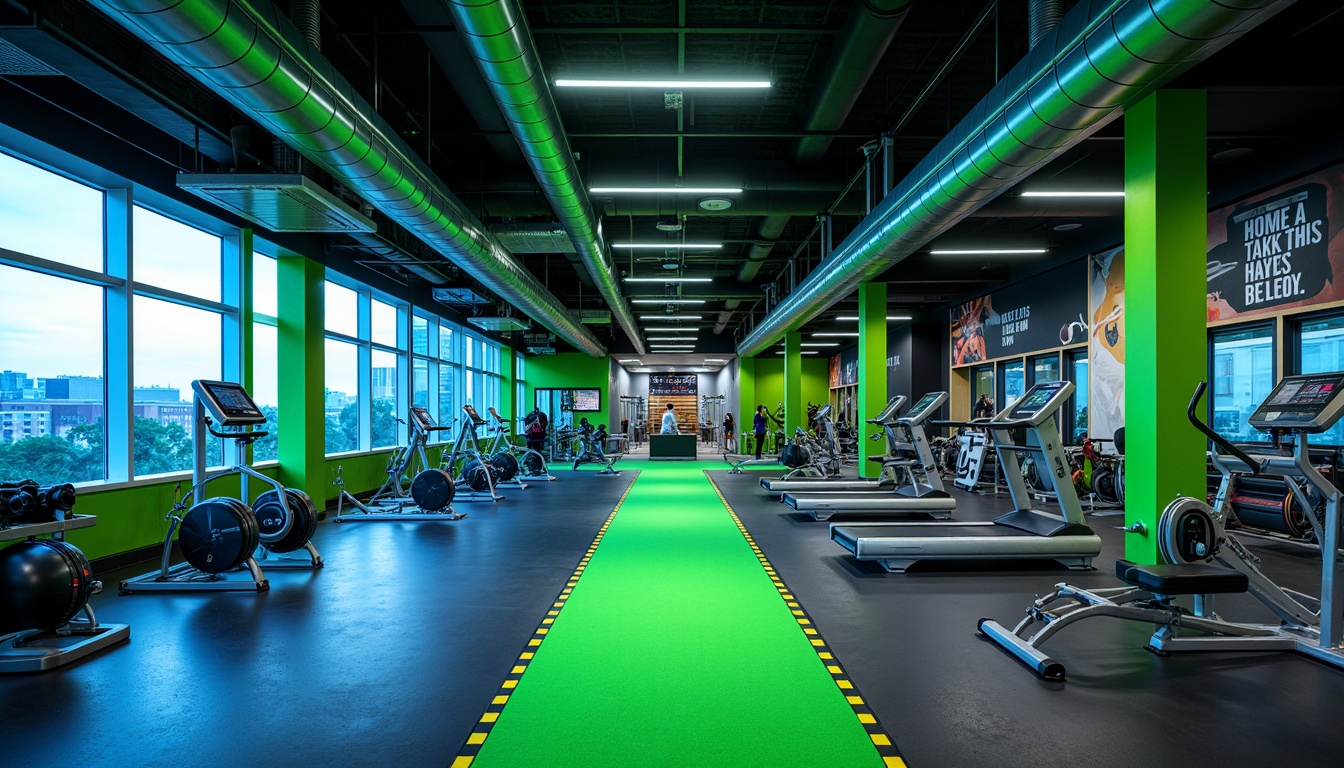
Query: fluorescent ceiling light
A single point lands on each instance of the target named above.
(667, 301)
(674, 85)
(633, 362)
(665, 190)
(669, 279)
(820, 344)
(805, 352)
(672, 338)
(667, 246)
(819, 335)
(669, 317)
(671, 330)
(889, 317)
(989, 252)
(715, 360)
(674, 346)
(1073, 194)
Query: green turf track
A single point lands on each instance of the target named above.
(675, 649)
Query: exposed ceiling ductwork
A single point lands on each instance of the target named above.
(255, 58)
(868, 30)
(496, 33)
(1102, 57)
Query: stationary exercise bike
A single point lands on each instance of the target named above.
(474, 477)
(515, 463)
(223, 538)
(591, 450)
(1206, 561)
(427, 496)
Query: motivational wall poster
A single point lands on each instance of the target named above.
(1278, 250)
(673, 384)
(1044, 312)
(1106, 349)
(844, 368)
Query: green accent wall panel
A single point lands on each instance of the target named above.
(571, 370)
(795, 414)
(1165, 287)
(872, 370)
(302, 386)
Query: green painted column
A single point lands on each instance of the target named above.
(746, 399)
(1165, 284)
(508, 375)
(872, 370)
(795, 408)
(302, 391)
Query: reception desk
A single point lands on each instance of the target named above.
(671, 447)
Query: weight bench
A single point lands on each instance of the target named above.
(1146, 597)
(746, 460)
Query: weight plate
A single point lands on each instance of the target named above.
(534, 465)
(272, 521)
(478, 475)
(305, 519)
(217, 535)
(432, 490)
(506, 464)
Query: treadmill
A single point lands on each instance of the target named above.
(778, 485)
(1027, 426)
(916, 496)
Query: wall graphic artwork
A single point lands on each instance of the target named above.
(1043, 312)
(1106, 350)
(1278, 250)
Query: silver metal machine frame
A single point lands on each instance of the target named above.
(1026, 533)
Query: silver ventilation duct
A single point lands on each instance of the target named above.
(1042, 16)
(497, 35)
(1104, 55)
(254, 57)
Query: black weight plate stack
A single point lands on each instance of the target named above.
(534, 464)
(302, 510)
(218, 535)
(432, 489)
(43, 584)
(506, 464)
(479, 476)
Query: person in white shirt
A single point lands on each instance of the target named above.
(669, 421)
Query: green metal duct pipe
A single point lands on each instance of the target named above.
(868, 30)
(254, 57)
(1103, 56)
(497, 35)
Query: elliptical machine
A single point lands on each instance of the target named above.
(592, 451)
(477, 479)
(1205, 560)
(223, 538)
(515, 463)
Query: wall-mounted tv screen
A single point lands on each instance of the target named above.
(573, 400)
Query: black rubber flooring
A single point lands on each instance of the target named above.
(387, 656)
(951, 699)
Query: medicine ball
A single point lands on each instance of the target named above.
(43, 584)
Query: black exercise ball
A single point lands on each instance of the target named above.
(43, 584)
(794, 456)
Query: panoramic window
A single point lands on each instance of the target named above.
(265, 389)
(342, 396)
(383, 382)
(46, 215)
(1321, 350)
(174, 345)
(342, 310)
(51, 379)
(176, 257)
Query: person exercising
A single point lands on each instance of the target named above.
(669, 421)
(758, 427)
(729, 439)
(984, 409)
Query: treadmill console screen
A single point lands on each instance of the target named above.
(1310, 403)
(421, 417)
(1035, 399)
(925, 403)
(228, 403)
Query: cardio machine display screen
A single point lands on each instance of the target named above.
(422, 417)
(1035, 399)
(1301, 402)
(228, 402)
(926, 402)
